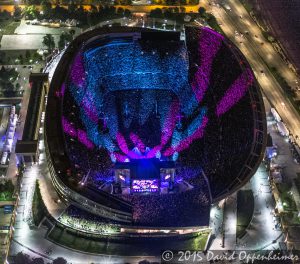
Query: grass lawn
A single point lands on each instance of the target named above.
(245, 209)
(6, 196)
(201, 240)
(38, 207)
(8, 26)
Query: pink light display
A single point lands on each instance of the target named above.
(122, 143)
(77, 70)
(69, 128)
(235, 92)
(209, 45)
(185, 143)
(137, 141)
(81, 135)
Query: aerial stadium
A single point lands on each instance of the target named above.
(145, 129)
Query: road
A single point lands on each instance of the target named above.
(258, 55)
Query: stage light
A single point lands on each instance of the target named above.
(122, 177)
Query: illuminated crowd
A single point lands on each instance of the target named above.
(111, 94)
(80, 219)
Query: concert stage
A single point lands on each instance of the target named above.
(145, 175)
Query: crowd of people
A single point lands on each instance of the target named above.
(190, 208)
(213, 92)
(77, 218)
(137, 64)
(230, 131)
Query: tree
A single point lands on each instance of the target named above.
(120, 11)
(64, 39)
(21, 59)
(144, 262)
(71, 8)
(22, 258)
(31, 12)
(127, 13)
(38, 261)
(2, 57)
(27, 54)
(94, 9)
(48, 41)
(182, 9)
(72, 33)
(17, 11)
(157, 12)
(60, 12)
(59, 261)
(46, 8)
(33, 2)
(202, 11)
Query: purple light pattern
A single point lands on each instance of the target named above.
(122, 143)
(77, 71)
(68, 128)
(137, 141)
(209, 45)
(185, 143)
(235, 92)
(81, 135)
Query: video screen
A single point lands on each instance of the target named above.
(145, 185)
